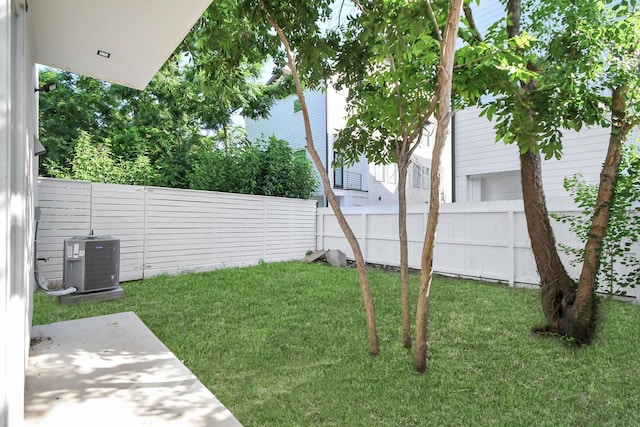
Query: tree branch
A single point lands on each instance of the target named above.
(434, 20)
(424, 117)
(374, 348)
(472, 23)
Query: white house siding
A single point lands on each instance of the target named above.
(337, 111)
(383, 188)
(418, 195)
(328, 109)
(476, 154)
(486, 170)
(17, 170)
(475, 149)
(583, 152)
(385, 191)
(288, 125)
(382, 179)
(483, 170)
(500, 186)
(337, 120)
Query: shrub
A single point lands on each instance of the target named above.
(619, 267)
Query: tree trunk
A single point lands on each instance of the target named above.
(403, 165)
(583, 313)
(444, 117)
(557, 288)
(328, 191)
(569, 309)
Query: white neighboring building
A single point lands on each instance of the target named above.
(474, 168)
(361, 184)
(486, 170)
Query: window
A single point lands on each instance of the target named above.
(427, 134)
(379, 172)
(392, 173)
(338, 171)
(420, 176)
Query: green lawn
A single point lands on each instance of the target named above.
(285, 344)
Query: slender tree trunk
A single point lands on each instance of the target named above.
(444, 117)
(403, 154)
(582, 319)
(227, 140)
(328, 191)
(403, 165)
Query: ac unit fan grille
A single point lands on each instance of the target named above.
(101, 270)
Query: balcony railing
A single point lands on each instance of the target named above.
(347, 180)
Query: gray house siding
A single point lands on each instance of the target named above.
(289, 125)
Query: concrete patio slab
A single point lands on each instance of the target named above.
(113, 371)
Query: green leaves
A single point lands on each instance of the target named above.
(555, 75)
(388, 63)
(77, 104)
(97, 163)
(620, 267)
(270, 168)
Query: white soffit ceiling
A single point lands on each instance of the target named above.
(137, 35)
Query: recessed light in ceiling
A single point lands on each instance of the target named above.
(103, 53)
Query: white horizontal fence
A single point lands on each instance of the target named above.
(164, 230)
(487, 240)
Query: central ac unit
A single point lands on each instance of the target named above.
(91, 263)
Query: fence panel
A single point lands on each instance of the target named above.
(487, 240)
(178, 229)
(164, 230)
(289, 228)
(199, 231)
(118, 211)
(169, 231)
(65, 211)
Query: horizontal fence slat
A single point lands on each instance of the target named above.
(165, 230)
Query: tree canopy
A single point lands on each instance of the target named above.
(167, 134)
(549, 66)
(555, 74)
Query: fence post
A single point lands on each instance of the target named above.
(264, 227)
(145, 244)
(365, 237)
(320, 231)
(511, 247)
(91, 210)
